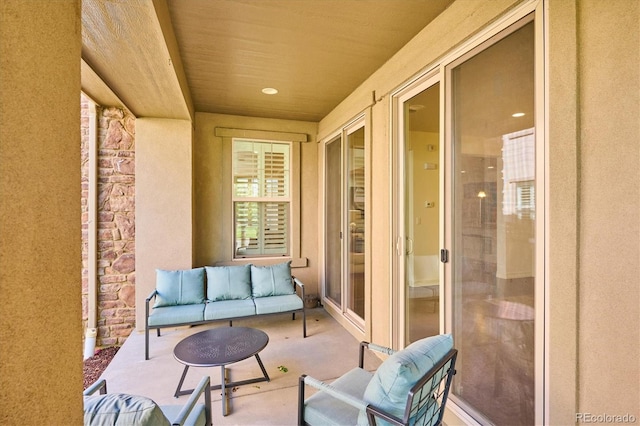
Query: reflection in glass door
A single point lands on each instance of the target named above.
(494, 219)
(421, 115)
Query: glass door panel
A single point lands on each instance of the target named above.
(493, 262)
(333, 221)
(356, 230)
(422, 214)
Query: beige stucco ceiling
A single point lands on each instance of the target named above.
(169, 58)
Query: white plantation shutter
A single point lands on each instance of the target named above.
(518, 173)
(526, 199)
(261, 179)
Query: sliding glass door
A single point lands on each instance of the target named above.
(356, 197)
(345, 231)
(333, 221)
(420, 118)
(468, 228)
(493, 212)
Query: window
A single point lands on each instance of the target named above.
(261, 198)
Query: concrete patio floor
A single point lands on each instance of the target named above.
(328, 352)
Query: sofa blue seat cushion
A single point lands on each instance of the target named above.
(228, 282)
(274, 304)
(229, 309)
(181, 314)
(323, 409)
(179, 287)
(122, 410)
(272, 280)
(390, 385)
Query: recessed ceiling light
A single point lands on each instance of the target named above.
(518, 114)
(416, 107)
(269, 91)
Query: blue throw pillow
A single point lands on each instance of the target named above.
(228, 282)
(273, 280)
(390, 385)
(181, 287)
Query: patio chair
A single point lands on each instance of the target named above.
(409, 388)
(125, 410)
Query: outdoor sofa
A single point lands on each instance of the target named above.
(213, 293)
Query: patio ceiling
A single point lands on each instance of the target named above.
(169, 58)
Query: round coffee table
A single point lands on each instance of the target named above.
(219, 347)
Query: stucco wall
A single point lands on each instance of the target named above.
(609, 206)
(164, 209)
(212, 207)
(40, 262)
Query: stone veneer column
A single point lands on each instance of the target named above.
(116, 224)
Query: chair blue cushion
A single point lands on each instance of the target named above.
(274, 304)
(181, 287)
(229, 309)
(273, 280)
(170, 315)
(197, 416)
(228, 282)
(394, 378)
(323, 409)
(122, 410)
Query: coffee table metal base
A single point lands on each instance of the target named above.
(224, 385)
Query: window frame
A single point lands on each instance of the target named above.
(262, 199)
(225, 136)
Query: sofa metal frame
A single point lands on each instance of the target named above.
(151, 296)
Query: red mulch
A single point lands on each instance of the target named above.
(95, 365)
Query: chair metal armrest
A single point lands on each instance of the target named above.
(373, 412)
(372, 347)
(100, 385)
(327, 388)
(203, 387)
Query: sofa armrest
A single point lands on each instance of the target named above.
(151, 296)
(203, 387)
(299, 284)
(100, 385)
(148, 300)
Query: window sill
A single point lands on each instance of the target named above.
(299, 262)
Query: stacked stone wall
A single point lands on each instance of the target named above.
(115, 225)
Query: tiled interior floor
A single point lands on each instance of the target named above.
(328, 352)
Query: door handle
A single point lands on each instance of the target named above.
(409, 245)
